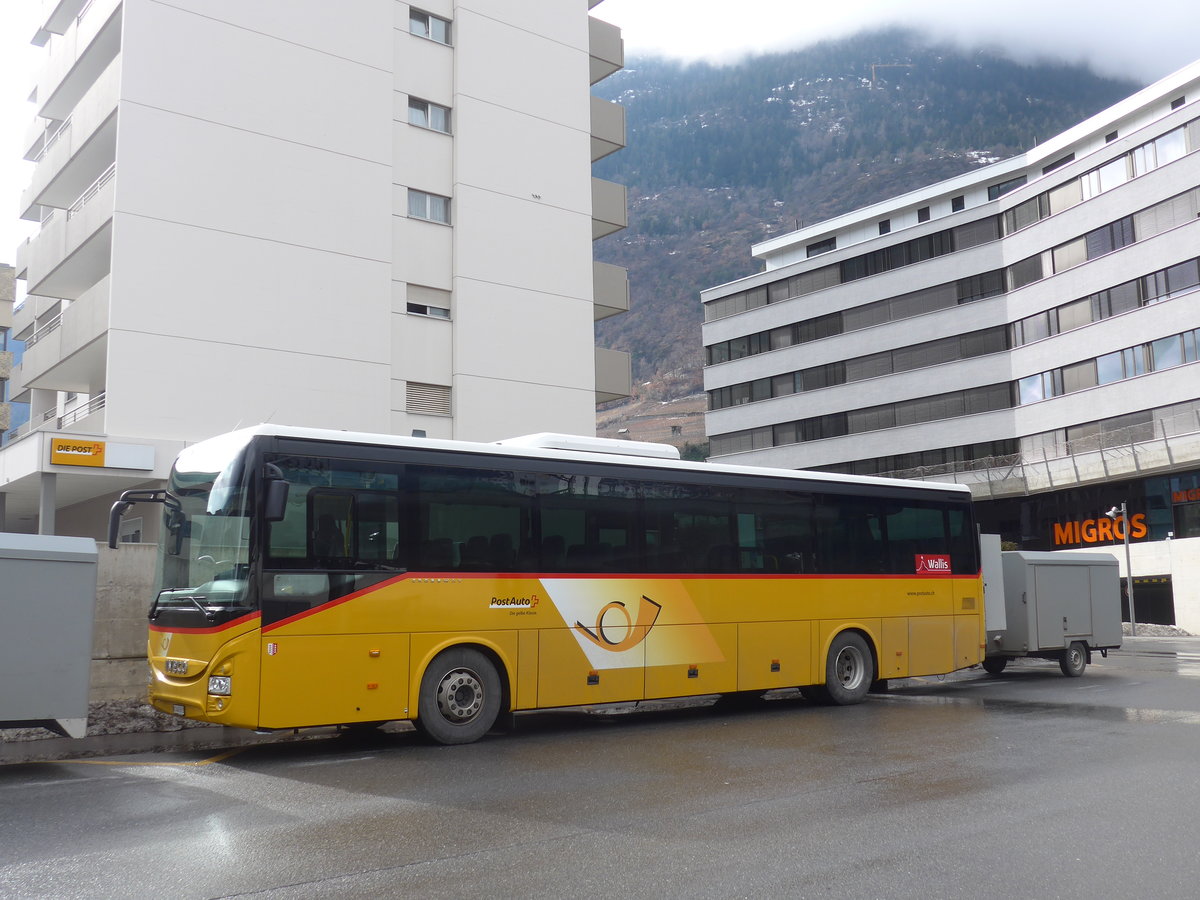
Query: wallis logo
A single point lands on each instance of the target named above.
(616, 629)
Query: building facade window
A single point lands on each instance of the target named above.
(430, 207)
(996, 191)
(923, 214)
(427, 25)
(958, 204)
(428, 115)
(821, 247)
(885, 226)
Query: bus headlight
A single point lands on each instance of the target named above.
(221, 685)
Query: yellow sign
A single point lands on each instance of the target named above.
(75, 452)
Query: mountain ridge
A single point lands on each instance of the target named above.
(719, 158)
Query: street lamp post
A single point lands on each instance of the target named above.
(1121, 513)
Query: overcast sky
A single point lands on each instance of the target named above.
(1144, 41)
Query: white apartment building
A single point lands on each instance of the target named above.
(7, 288)
(1030, 328)
(365, 215)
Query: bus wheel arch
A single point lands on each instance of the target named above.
(851, 666)
(463, 690)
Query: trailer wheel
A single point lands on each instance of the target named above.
(1074, 660)
(849, 669)
(995, 664)
(460, 697)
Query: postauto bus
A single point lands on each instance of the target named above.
(310, 577)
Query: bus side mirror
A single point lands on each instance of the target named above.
(114, 521)
(275, 504)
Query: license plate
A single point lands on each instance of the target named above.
(177, 708)
(176, 666)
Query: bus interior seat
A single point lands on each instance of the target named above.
(504, 557)
(437, 555)
(475, 554)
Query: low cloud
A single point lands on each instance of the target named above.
(1143, 43)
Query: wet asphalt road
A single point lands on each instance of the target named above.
(1025, 785)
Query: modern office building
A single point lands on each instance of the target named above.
(366, 215)
(1029, 328)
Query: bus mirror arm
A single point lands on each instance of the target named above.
(126, 500)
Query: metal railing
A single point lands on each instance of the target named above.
(63, 126)
(42, 332)
(82, 412)
(1150, 446)
(91, 191)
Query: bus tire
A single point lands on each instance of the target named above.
(1073, 660)
(849, 669)
(994, 665)
(460, 697)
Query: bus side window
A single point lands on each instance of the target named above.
(330, 518)
(912, 529)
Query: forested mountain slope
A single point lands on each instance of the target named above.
(721, 157)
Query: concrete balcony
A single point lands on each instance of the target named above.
(610, 290)
(33, 314)
(38, 135)
(606, 49)
(608, 128)
(85, 418)
(83, 147)
(69, 353)
(73, 250)
(22, 264)
(610, 212)
(59, 15)
(614, 375)
(78, 57)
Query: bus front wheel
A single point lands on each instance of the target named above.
(460, 697)
(849, 669)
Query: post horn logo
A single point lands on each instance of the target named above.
(633, 634)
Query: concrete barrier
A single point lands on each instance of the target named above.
(124, 592)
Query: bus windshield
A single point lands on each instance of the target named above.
(204, 544)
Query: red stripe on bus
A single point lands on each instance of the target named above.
(296, 617)
(609, 576)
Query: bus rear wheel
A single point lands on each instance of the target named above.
(460, 697)
(849, 669)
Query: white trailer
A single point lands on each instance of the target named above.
(1060, 606)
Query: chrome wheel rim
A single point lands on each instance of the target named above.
(849, 668)
(460, 696)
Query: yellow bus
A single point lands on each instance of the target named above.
(310, 577)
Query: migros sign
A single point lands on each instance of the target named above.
(1099, 531)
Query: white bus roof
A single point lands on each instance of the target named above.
(577, 448)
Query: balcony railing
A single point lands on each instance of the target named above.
(92, 190)
(82, 412)
(52, 138)
(44, 331)
(1159, 445)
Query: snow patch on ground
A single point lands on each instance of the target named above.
(114, 717)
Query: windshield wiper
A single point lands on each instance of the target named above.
(209, 614)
